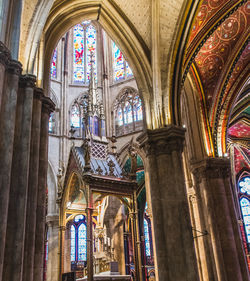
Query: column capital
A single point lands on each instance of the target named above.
(4, 54)
(52, 220)
(27, 81)
(48, 105)
(38, 93)
(217, 167)
(14, 67)
(163, 140)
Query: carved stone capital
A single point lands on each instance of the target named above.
(211, 168)
(38, 93)
(4, 54)
(27, 81)
(14, 67)
(162, 141)
(48, 105)
(52, 220)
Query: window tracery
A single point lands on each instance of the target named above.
(121, 69)
(128, 112)
(244, 195)
(78, 243)
(84, 43)
(53, 68)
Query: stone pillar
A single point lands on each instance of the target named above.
(30, 231)
(212, 177)
(89, 211)
(174, 245)
(47, 108)
(4, 60)
(67, 249)
(53, 243)
(7, 128)
(14, 248)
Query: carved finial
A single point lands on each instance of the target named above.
(99, 170)
(111, 167)
(86, 155)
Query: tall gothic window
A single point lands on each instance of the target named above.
(78, 234)
(75, 116)
(244, 192)
(84, 44)
(52, 123)
(128, 112)
(147, 239)
(121, 69)
(53, 68)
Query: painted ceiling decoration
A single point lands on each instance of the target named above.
(219, 64)
(210, 15)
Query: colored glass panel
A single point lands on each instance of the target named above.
(137, 109)
(75, 116)
(78, 63)
(82, 242)
(53, 64)
(119, 117)
(128, 118)
(147, 240)
(73, 243)
(244, 185)
(78, 218)
(128, 70)
(96, 126)
(118, 63)
(91, 47)
(245, 208)
(50, 124)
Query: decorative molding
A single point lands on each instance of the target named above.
(162, 141)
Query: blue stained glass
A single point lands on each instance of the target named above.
(53, 64)
(245, 208)
(75, 116)
(137, 109)
(82, 242)
(128, 70)
(119, 117)
(78, 53)
(50, 124)
(118, 63)
(91, 47)
(147, 240)
(73, 243)
(96, 126)
(78, 218)
(128, 118)
(244, 184)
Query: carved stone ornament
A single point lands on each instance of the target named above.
(211, 168)
(162, 141)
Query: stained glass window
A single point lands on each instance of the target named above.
(245, 208)
(84, 44)
(73, 243)
(121, 69)
(75, 116)
(137, 109)
(119, 117)
(91, 47)
(78, 218)
(82, 242)
(78, 53)
(147, 240)
(244, 185)
(54, 65)
(128, 118)
(50, 124)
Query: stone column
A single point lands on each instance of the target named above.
(14, 248)
(7, 128)
(89, 211)
(53, 243)
(30, 231)
(47, 107)
(67, 250)
(4, 60)
(212, 176)
(174, 245)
